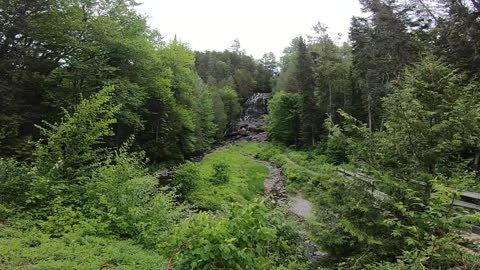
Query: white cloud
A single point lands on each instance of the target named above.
(261, 25)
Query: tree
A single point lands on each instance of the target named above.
(72, 150)
(332, 66)
(283, 120)
(236, 48)
(459, 35)
(266, 73)
(428, 115)
(381, 48)
(306, 85)
(206, 127)
(231, 104)
(231, 69)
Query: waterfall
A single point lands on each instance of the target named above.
(251, 124)
(255, 107)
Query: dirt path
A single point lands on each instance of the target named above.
(300, 206)
(275, 186)
(276, 190)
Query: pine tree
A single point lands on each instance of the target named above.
(381, 48)
(306, 87)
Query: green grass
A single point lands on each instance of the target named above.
(33, 249)
(246, 177)
(305, 171)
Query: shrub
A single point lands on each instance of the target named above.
(220, 173)
(14, 182)
(269, 150)
(361, 229)
(337, 143)
(61, 219)
(245, 179)
(128, 202)
(33, 249)
(186, 178)
(247, 238)
(72, 151)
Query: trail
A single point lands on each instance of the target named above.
(300, 206)
(275, 185)
(276, 191)
(251, 128)
(275, 188)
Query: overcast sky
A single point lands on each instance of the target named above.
(260, 25)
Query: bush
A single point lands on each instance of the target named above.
(360, 229)
(128, 202)
(337, 143)
(247, 238)
(33, 249)
(245, 179)
(269, 150)
(14, 182)
(72, 151)
(186, 178)
(61, 220)
(220, 173)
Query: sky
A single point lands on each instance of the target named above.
(260, 25)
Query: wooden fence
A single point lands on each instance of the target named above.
(468, 200)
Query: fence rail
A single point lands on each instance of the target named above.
(472, 198)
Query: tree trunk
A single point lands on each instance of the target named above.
(370, 113)
(313, 136)
(330, 101)
(476, 161)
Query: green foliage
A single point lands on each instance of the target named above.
(426, 114)
(247, 237)
(127, 202)
(231, 104)
(382, 46)
(353, 141)
(332, 69)
(306, 88)
(206, 126)
(71, 152)
(337, 144)
(283, 118)
(236, 70)
(70, 50)
(32, 249)
(221, 171)
(244, 179)
(269, 150)
(61, 220)
(14, 182)
(358, 228)
(186, 177)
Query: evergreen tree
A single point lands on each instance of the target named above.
(431, 115)
(306, 88)
(283, 120)
(381, 48)
(266, 73)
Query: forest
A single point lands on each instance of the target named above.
(121, 150)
